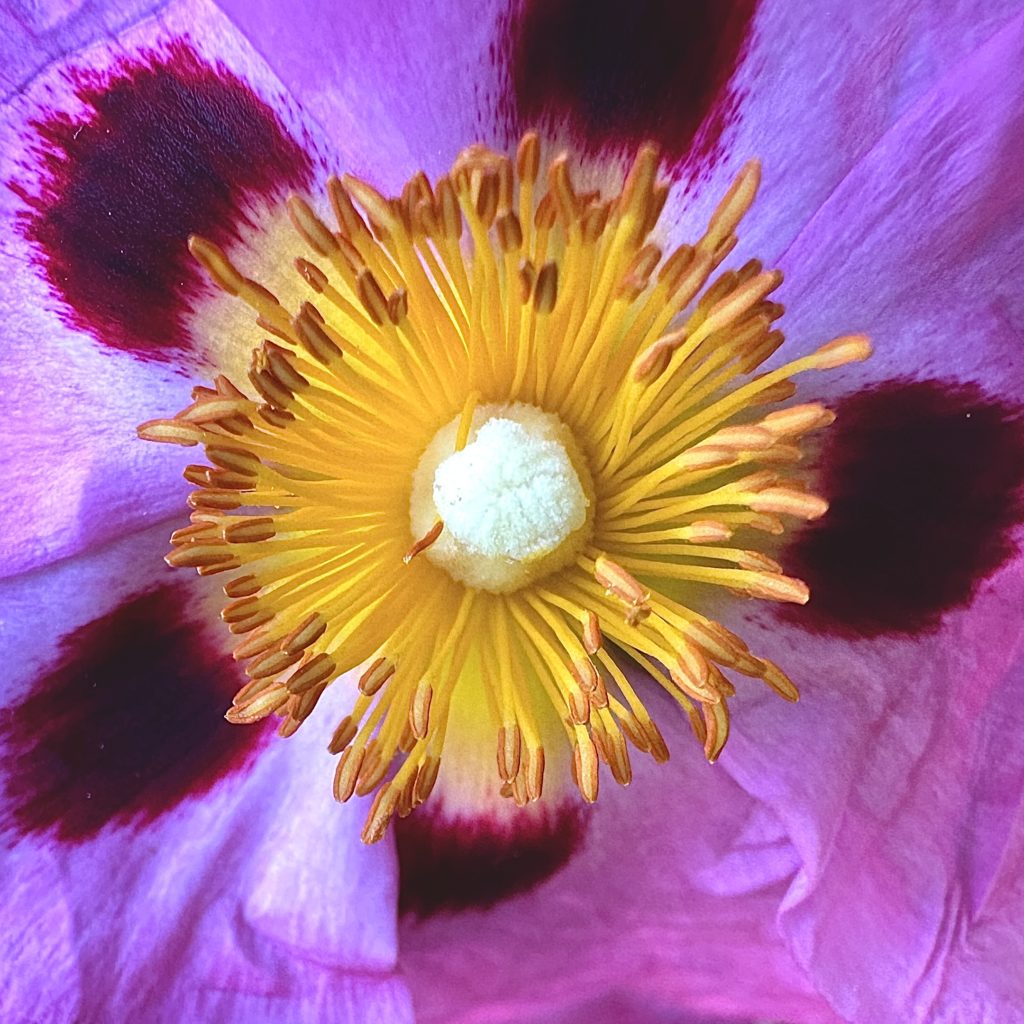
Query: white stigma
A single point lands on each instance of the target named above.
(510, 498)
(509, 494)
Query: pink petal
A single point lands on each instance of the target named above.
(613, 81)
(899, 779)
(118, 677)
(37, 33)
(670, 903)
(221, 905)
(113, 158)
(915, 247)
(925, 485)
(818, 87)
(899, 775)
(402, 86)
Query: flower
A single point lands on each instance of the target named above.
(887, 868)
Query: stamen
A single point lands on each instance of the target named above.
(502, 373)
(424, 542)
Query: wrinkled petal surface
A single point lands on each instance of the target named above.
(670, 903)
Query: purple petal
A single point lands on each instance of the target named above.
(114, 157)
(914, 248)
(899, 778)
(670, 903)
(818, 87)
(900, 774)
(925, 485)
(165, 145)
(468, 847)
(453, 863)
(215, 904)
(663, 72)
(118, 718)
(401, 86)
(34, 34)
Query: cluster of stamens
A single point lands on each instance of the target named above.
(492, 288)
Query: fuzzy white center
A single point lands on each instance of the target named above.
(510, 493)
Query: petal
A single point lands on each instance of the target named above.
(35, 34)
(821, 85)
(669, 904)
(925, 486)
(113, 157)
(401, 84)
(882, 772)
(116, 685)
(249, 896)
(899, 778)
(813, 93)
(612, 82)
(924, 469)
(807, 88)
(468, 847)
(914, 248)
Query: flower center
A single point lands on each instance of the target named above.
(503, 430)
(510, 500)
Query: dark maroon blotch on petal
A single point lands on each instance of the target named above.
(924, 481)
(166, 146)
(449, 865)
(125, 724)
(620, 74)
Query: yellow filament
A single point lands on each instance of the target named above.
(499, 283)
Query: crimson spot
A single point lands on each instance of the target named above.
(167, 146)
(125, 724)
(448, 865)
(619, 75)
(924, 481)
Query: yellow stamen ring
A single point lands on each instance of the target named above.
(442, 309)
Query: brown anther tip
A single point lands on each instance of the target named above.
(621, 584)
(851, 348)
(312, 274)
(343, 735)
(593, 639)
(310, 227)
(170, 432)
(381, 812)
(652, 364)
(528, 158)
(424, 542)
(510, 232)
(313, 337)
(545, 292)
(419, 709)
(584, 672)
(259, 707)
(546, 213)
(372, 297)
(509, 752)
(379, 672)
(307, 632)
(398, 306)
(216, 264)
(346, 771)
(585, 767)
(751, 169)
